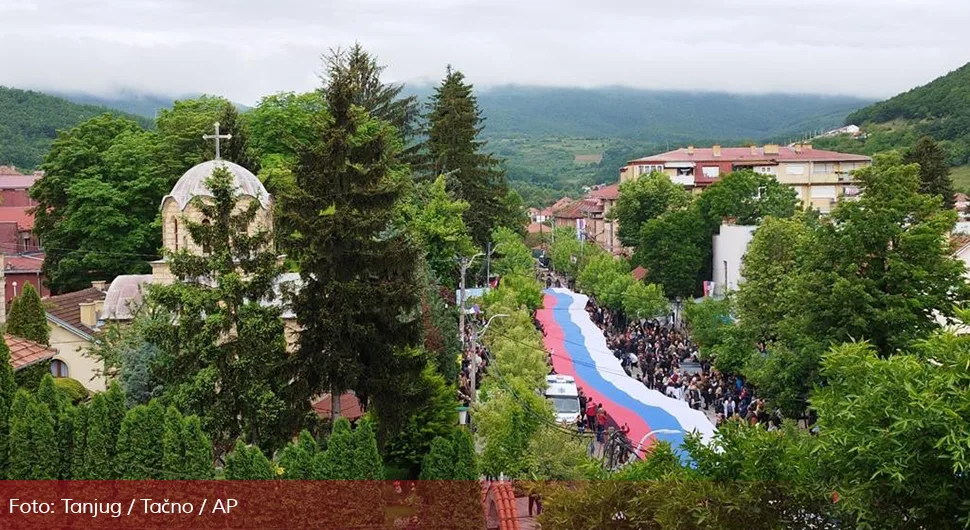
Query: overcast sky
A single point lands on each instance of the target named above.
(247, 48)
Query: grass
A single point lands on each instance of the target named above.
(961, 178)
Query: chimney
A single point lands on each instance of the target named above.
(89, 314)
(771, 149)
(690, 150)
(99, 285)
(716, 150)
(754, 150)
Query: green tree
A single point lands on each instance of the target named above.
(674, 249)
(173, 445)
(642, 300)
(247, 462)
(440, 460)
(8, 389)
(934, 172)
(79, 443)
(382, 101)
(437, 222)
(297, 457)
(198, 451)
(98, 202)
(643, 199)
(67, 444)
(892, 433)
(100, 441)
(350, 454)
(748, 197)
(453, 148)
(32, 446)
(141, 443)
(884, 263)
(27, 318)
(349, 182)
(431, 414)
(224, 337)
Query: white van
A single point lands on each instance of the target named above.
(561, 390)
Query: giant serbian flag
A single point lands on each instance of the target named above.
(579, 349)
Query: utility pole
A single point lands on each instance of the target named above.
(488, 264)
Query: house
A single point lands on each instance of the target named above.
(818, 177)
(73, 319)
(590, 217)
(18, 270)
(24, 353)
(16, 221)
(961, 202)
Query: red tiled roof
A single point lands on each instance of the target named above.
(17, 214)
(24, 263)
(609, 193)
(66, 306)
(24, 353)
(639, 274)
(503, 495)
(536, 228)
(349, 406)
(558, 205)
(742, 154)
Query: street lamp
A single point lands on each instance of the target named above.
(658, 431)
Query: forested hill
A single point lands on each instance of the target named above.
(657, 116)
(944, 101)
(940, 109)
(29, 122)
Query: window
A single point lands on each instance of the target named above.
(175, 223)
(823, 168)
(59, 368)
(823, 192)
(796, 169)
(650, 168)
(207, 236)
(765, 170)
(712, 172)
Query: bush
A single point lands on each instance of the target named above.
(72, 389)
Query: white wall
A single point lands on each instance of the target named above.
(72, 350)
(729, 248)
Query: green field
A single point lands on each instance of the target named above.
(961, 178)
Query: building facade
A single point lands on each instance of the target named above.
(590, 218)
(818, 177)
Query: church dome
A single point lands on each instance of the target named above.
(192, 183)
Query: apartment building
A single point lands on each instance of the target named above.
(818, 177)
(590, 217)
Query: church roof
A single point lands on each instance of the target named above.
(124, 295)
(192, 183)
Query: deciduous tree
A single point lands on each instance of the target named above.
(643, 199)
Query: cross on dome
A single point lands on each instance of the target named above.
(217, 137)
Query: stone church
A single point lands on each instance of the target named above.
(125, 293)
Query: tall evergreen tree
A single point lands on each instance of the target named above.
(359, 304)
(337, 462)
(248, 463)
(225, 358)
(380, 100)
(198, 451)
(27, 318)
(934, 172)
(79, 443)
(48, 394)
(297, 457)
(99, 446)
(8, 389)
(66, 434)
(139, 452)
(440, 460)
(33, 442)
(173, 445)
(453, 148)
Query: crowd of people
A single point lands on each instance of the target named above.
(474, 350)
(653, 351)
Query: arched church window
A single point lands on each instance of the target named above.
(206, 247)
(175, 223)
